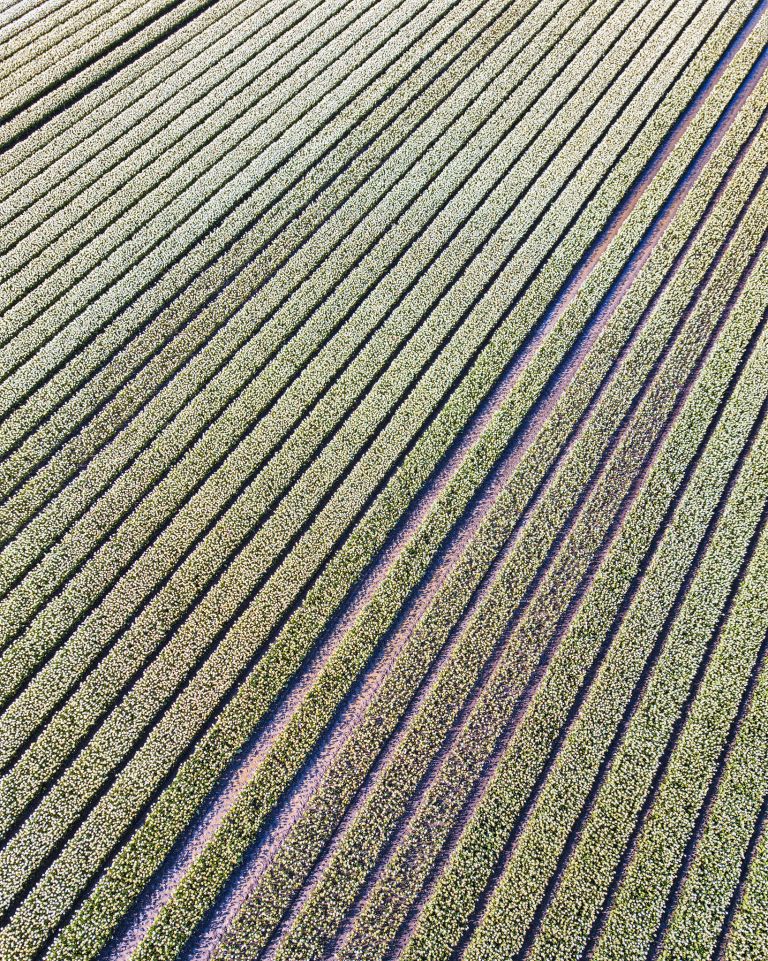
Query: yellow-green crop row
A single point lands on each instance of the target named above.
(359, 848)
(711, 878)
(551, 818)
(518, 892)
(587, 875)
(471, 866)
(640, 897)
(170, 824)
(402, 879)
(748, 931)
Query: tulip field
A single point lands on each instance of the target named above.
(383, 480)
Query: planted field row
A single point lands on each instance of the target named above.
(523, 558)
(383, 477)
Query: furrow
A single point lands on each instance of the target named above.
(447, 913)
(474, 344)
(363, 835)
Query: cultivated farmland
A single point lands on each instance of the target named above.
(384, 480)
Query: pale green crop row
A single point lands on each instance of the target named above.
(402, 878)
(47, 481)
(27, 68)
(661, 844)
(133, 116)
(470, 867)
(137, 246)
(16, 14)
(200, 331)
(121, 174)
(27, 103)
(38, 487)
(30, 23)
(243, 365)
(748, 932)
(113, 738)
(71, 99)
(55, 672)
(248, 406)
(50, 30)
(67, 130)
(711, 877)
(141, 268)
(54, 346)
(179, 801)
(359, 848)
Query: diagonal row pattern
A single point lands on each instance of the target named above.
(383, 479)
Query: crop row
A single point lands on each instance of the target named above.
(71, 728)
(121, 175)
(66, 129)
(567, 918)
(747, 933)
(66, 167)
(176, 656)
(357, 852)
(15, 14)
(709, 882)
(247, 406)
(738, 651)
(43, 486)
(59, 425)
(587, 875)
(31, 59)
(169, 823)
(471, 866)
(202, 329)
(199, 186)
(196, 327)
(237, 173)
(242, 365)
(302, 724)
(49, 30)
(66, 80)
(409, 867)
(644, 737)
